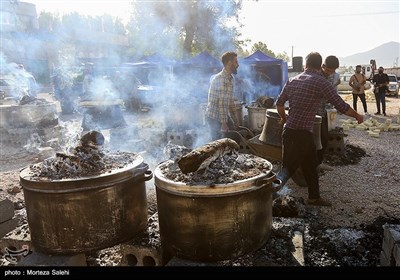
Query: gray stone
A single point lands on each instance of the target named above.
(396, 254)
(298, 253)
(384, 261)
(8, 226)
(6, 210)
(40, 259)
(391, 236)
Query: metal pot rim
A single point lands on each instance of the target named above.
(239, 186)
(135, 168)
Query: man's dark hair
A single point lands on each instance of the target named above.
(228, 56)
(358, 66)
(331, 62)
(313, 60)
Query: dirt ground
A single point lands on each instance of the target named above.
(365, 195)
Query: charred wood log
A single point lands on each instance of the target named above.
(92, 138)
(202, 156)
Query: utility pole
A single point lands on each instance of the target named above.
(292, 55)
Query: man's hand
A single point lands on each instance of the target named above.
(359, 118)
(281, 122)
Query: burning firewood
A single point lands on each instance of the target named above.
(201, 157)
(265, 102)
(92, 138)
(72, 158)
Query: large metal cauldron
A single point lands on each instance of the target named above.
(211, 223)
(272, 135)
(256, 118)
(272, 130)
(100, 115)
(239, 112)
(86, 214)
(28, 116)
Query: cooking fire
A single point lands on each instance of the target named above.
(88, 158)
(217, 162)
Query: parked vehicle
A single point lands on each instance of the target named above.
(393, 86)
(368, 71)
(344, 83)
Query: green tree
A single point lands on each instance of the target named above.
(74, 22)
(48, 21)
(185, 27)
(262, 47)
(284, 56)
(119, 26)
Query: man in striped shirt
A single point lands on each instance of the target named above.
(220, 110)
(304, 94)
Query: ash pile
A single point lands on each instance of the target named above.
(86, 159)
(225, 167)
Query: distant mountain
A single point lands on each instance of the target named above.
(385, 55)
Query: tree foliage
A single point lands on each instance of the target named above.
(284, 56)
(264, 48)
(173, 28)
(48, 21)
(74, 22)
(186, 27)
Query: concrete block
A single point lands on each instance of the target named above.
(384, 261)
(40, 259)
(396, 254)
(336, 142)
(6, 210)
(176, 137)
(387, 250)
(16, 239)
(298, 253)
(137, 255)
(145, 249)
(8, 226)
(391, 236)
